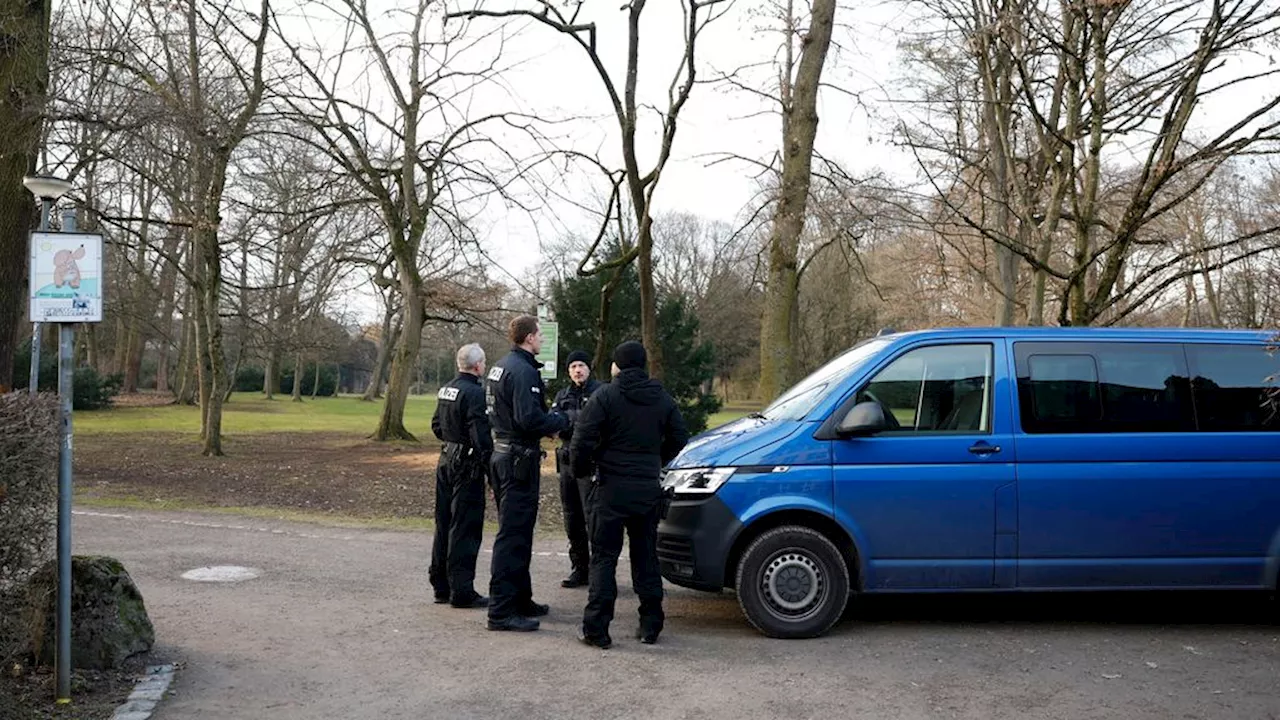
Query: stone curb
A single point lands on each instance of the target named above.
(147, 693)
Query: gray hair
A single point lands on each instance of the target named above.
(470, 356)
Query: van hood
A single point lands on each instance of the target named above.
(725, 445)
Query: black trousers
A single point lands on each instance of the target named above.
(459, 525)
(632, 506)
(574, 502)
(516, 482)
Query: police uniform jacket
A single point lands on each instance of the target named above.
(460, 415)
(570, 401)
(517, 401)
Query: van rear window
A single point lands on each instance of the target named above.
(1235, 388)
(1103, 388)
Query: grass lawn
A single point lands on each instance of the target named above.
(303, 460)
(250, 414)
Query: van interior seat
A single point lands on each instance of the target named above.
(966, 415)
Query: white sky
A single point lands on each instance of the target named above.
(717, 120)
(555, 80)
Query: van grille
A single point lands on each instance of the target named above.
(675, 549)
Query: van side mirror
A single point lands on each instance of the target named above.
(865, 418)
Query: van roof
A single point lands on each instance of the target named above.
(1096, 333)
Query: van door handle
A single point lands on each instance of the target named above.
(983, 448)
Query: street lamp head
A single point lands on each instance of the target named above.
(46, 187)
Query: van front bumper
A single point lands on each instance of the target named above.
(694, 541)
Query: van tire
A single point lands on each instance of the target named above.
(815, 597)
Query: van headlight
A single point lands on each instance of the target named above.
(696, 481)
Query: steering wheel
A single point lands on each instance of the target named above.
(890, 421)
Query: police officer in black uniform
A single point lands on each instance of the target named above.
(628, 432)
(574, 490)
(461, 423)
(517, 405)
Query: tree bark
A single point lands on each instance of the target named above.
(386, 341)
(295, 391)
(24, 72)
(799, 131)
(391, 422)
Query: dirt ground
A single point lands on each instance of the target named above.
(330, 474)
(28, 694)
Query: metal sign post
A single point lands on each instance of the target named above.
(66, 288)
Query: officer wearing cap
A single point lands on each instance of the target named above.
(574, 490)
(628, 432)
(461, 423)
(517, 405)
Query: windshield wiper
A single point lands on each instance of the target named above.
(757, 416)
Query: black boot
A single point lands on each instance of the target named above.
(604, 642)
(577, 578)
(515, 623)
(534, 609)
(648, 636)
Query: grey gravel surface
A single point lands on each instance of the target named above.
(339, 624)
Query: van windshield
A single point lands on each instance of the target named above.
(797, 401)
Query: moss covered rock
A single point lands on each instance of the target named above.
(109, 621)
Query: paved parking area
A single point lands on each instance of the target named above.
(339, 624)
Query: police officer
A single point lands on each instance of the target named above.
(461, 423)
(574, 490)
(629, 431)
(517, 405)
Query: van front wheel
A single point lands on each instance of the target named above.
(792, 583)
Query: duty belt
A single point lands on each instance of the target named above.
(504, 446)
(459, 448)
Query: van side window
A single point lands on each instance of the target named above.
(1103, 388)
(1235, 387)
(944, 388)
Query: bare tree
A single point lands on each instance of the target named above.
(799, 81)
(640, 185)
(1053, 90)
(417, 159)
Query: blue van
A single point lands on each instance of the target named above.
(988, 460)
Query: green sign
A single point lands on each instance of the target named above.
(550, 355)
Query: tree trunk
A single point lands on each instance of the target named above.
(799, 129)
(187, 346)
(270, 371)
(649, 300)
(315, 382)
(24, 71)
(121, 344)
(601, 359)
(91, 345)
(386, 341)
(296, 390)
(391, 423)
(209, 330)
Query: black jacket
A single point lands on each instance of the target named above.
(630, 429)
(517, 401)
(570, 402)
(460, 414)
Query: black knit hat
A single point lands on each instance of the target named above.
(630, 354)
(578, 356)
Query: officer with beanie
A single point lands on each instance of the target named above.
(574, 490)
(626, 434)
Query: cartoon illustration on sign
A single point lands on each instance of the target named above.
(65, 270)
(66, 277)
